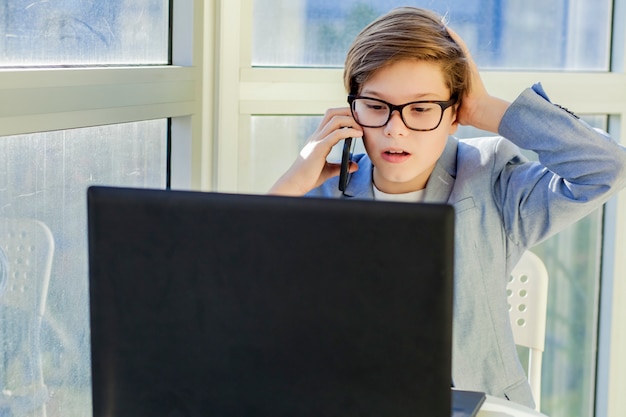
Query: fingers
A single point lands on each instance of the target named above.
(455, 36)
(335, 119)
(336, 125)
(459, 41)
(478, 108)
(475, 80)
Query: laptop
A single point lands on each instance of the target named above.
(213, 304)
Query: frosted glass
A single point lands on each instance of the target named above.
(45, 177)
(74, 32)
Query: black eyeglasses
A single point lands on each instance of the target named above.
(417, 115)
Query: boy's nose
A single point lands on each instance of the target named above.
(395, 126)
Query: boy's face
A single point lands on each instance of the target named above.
(403, 158)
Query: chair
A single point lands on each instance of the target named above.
(29, 247)
(527, 293)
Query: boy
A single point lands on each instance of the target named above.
(411, 82)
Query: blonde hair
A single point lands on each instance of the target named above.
(406, 33)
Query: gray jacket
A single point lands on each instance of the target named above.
(505, 204)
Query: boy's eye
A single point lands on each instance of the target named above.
(420, 108)
(375, 106)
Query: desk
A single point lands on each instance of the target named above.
(498, 407)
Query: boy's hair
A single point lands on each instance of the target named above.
(406, 33)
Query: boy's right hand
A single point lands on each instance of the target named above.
(311, 168)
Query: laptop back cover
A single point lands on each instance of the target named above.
(208, 304)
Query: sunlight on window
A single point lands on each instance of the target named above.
(67, 32)
(573, 35)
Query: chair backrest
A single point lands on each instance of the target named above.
(527, 293)
(29, 247)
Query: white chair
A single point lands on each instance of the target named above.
(29, 247)
(527, 293)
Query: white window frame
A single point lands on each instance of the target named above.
(245, 91)
(48, 99)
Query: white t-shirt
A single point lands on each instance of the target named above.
(412, 197)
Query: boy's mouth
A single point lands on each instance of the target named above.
(395, 155)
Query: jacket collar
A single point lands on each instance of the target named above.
(441, 180)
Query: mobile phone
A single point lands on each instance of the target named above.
(346, 156)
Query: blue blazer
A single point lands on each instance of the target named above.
(505, 204)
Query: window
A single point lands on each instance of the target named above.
(91, 93)
(98, 92)
(287, 82)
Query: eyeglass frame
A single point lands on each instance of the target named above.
(400, 107)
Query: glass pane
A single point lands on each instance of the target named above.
(571, 257)
(516, 34)
(44, 177)
(70, 32)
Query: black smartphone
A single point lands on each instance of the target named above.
(346, 156)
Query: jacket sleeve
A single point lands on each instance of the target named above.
(578, 168)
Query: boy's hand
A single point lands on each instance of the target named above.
(478, 108)
(311, 169)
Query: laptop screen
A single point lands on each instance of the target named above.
(210, 304)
